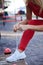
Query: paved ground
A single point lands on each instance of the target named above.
(3, 61)
(34, 50)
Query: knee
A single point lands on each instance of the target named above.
(32, 22)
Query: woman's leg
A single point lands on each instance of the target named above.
(28, 34)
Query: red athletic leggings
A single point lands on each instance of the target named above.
(28, 34)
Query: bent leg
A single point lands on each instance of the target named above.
(28, 34)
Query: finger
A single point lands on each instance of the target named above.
(15, 30)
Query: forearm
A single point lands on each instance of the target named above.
(36, 28)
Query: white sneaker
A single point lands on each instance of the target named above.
(16, 56)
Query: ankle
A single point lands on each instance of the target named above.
(20, 50)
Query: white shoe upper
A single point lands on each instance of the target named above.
(16, 56)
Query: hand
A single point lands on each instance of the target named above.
(24, 27)
(21, 27)
(16, 27)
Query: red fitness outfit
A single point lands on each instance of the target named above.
(28, 34)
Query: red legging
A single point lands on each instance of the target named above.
(28, 34)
